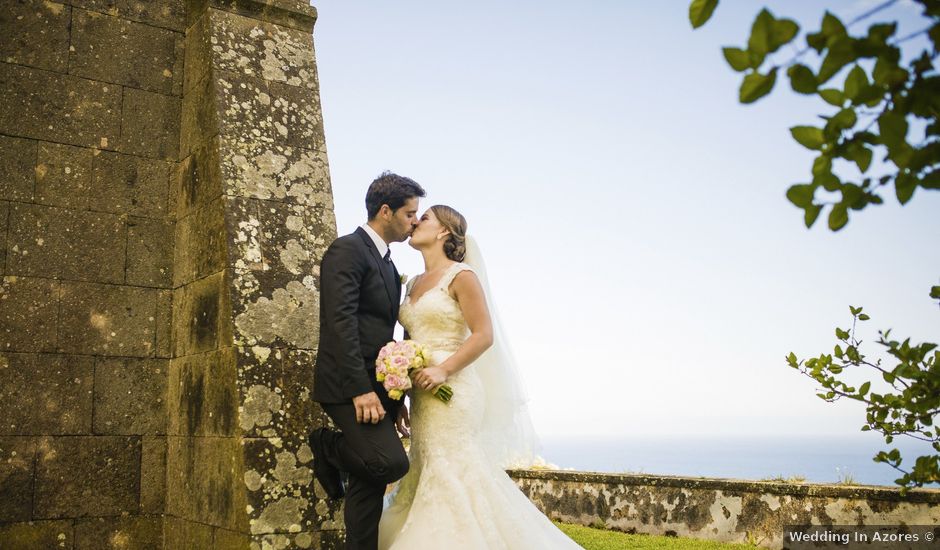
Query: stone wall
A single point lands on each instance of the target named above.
(164, 201)
(723, 510)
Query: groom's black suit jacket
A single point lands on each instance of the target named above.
(360, 294)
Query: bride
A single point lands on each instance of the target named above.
(456, 494)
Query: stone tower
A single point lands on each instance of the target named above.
(164, 202)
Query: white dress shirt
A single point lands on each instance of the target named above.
(380, 243)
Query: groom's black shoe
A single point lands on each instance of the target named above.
(328, 475)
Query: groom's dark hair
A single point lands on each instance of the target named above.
(390, 189)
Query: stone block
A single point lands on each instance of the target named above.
(45, 394)
(290, 242)
(273, 171)
(107, 320)
(150, 124)
(127, 533)
(131, 184)
(61, 108)
(275, 309)
(131, 396)
(29, 311)
(114, 49)
(36, 535)
(36, 33)
(153, 475)
(169, 14)
(199, 119)
(202, 315)
(150, 252)
(203, 396)
(164, 329)
(180, 533)
(198, 52)
(280, 487)
(223, 539)
(55, 242)
(269, 112)
(260, 49)
(16, 478)
(199, 181)
(287, 13)
(17, 164)
(275, 387)
(4, 217)
(63, 175)
(200, 248)
(243, 232)
(88, 477)
(204, 481)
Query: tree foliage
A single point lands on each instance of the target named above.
(876, 104)
(871, 111)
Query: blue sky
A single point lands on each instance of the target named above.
(649, 270)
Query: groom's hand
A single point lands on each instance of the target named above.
(369, 409)
(403, 422)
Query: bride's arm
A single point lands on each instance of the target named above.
(469, 295)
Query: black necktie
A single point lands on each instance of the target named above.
(388, 255)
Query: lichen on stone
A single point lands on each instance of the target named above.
(290, 314)
(258, 407)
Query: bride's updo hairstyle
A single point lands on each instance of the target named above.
(455, 247)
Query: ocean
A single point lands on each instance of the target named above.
(817, 459)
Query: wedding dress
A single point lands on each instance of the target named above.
(454, 495)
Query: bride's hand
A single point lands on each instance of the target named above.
(430, 378)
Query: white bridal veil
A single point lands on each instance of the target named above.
(507, 434)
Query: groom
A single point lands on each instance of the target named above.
(360, 292)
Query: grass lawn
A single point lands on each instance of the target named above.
(601, 539)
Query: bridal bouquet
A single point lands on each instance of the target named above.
(394, 365)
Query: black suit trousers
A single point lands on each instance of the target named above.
(374, 457)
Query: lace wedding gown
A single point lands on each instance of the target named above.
(452, 496)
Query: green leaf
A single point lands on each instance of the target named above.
(844, 119)
(700, 11)
(931, 180)
(859, 154)
(935, 292)
(855, 82)
(864, 389)
(893, 127)
(832, 26)
(934, 34)
(756, 86)
(888, 73)
(832, 96)
(842, 334)
(828, 181)
(808, 136)
(782, 31)
(904, 186)
(737, 58)
(802, 79)
(810, 213)
(801, 195)
(838, 217)
(840, 54)
(761, 31)
(863, 317)
(822, 165)
(881, 32)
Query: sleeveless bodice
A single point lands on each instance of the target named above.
(435, 319)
